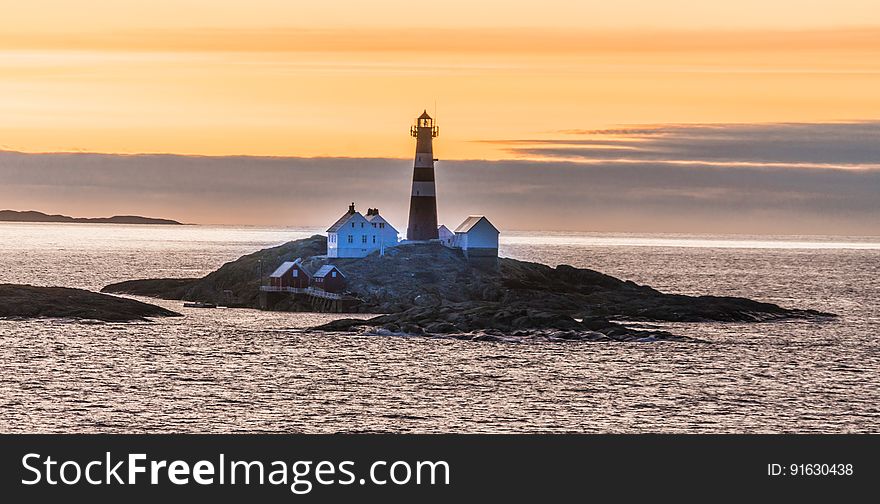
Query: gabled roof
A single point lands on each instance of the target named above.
(472, 221)
(342, 221)
(325, 270)
(378, 218)
(442, 230)
(281, 270)
(285, 267)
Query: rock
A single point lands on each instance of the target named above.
(239, 277)
(27, 301)
(432, 287)
(487, 337)
(426, 300)
(412, 329)
(441, 328)
(517, 323)
(164, 288)
(492, 293)
(346, 324)
(565, 335)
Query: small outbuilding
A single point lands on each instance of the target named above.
(477, 237)
(447, 237)
(290, 274)
(328, 278)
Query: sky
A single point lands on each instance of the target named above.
(594, 96)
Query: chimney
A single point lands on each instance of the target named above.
(351, 208)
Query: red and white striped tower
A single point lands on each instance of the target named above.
(423, 202)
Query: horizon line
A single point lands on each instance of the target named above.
(320, 229)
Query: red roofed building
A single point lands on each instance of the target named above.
(329, 279)
(290, 274)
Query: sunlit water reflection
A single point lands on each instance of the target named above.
(248, 371)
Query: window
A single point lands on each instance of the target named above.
(363, 238)
(352, 224)
(295, 273)
(374, 238)
(381, 225)
(333, 274)
(362, 225)
(350, 239)
(374, 224)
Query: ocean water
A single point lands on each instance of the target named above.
(249, 371)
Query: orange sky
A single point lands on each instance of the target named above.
(345, 78)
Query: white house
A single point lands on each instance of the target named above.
(354, 235)
(385, 232)
(447, 237)
(477, 237)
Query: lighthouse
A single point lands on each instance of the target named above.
(423, 200)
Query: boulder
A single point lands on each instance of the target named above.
(441, 328)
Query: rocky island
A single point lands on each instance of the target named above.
(420, 288)
(27, 301)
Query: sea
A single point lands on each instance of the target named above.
(241, 370)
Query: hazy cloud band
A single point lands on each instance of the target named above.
(647, 194)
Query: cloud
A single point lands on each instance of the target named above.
(842, 144)
(640, 195)
(456, 40)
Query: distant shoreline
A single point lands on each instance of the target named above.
(34, 216)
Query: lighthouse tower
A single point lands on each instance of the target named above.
(423, 202)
